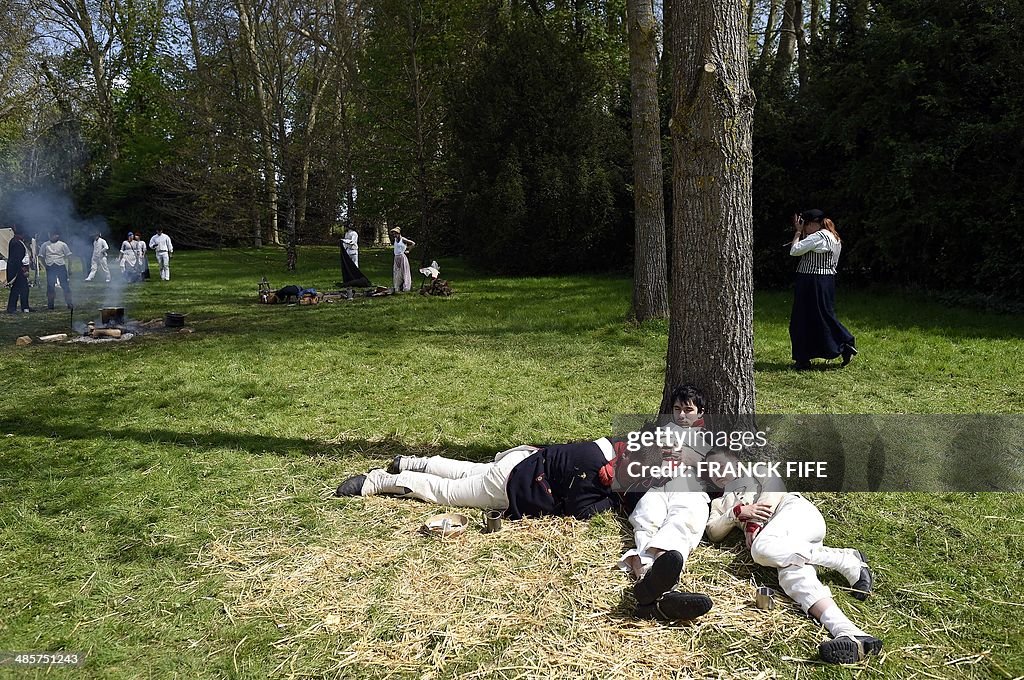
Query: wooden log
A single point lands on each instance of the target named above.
(56, 337)
(106, 333)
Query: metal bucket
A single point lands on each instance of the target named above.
(174, 320)
(111, 315)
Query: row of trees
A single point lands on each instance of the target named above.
(507, 130)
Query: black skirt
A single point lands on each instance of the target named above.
(814, 329)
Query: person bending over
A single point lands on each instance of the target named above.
(786, 531)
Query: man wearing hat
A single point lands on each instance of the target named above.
(401, 275)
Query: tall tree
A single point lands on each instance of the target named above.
(787, 42)
(711, 338)
(650, 295)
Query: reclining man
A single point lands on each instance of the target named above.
(668, 521)
(573, 480)
(787, 532)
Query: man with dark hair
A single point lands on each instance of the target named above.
(668, 522)
(17, 273)
(99, 258)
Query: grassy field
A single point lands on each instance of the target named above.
(166, 502)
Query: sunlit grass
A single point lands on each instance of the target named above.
(124, 464)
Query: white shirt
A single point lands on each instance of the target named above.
(818, 253)
(56, 253)
(351, 242)
(161, 243)
(99, 247)
(400, 246)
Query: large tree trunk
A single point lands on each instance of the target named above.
(711, 339)
(650, 295)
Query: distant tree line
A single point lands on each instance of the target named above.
(500, 129)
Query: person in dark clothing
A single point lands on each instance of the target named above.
(17, 273)
(573, 480)
(814, 330)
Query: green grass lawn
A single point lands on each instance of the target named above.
(166, 503)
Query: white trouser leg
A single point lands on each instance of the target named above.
(666, 520)
(787, 543)
(105, 269)
(795, 531)
(164, 260)
(457, 469)
(454, 469)
(485, 490)
(802, 585)
(92, 269)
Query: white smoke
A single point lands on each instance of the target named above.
(41, 211)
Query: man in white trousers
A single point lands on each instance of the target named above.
(99, 258)
(787, 532)
(571, 480)
(668, 523)
(161, 245)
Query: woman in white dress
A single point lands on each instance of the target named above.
(401, 275)
(129, 258)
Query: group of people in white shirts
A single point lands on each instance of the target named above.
(132, 258)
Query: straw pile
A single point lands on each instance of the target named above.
(369, 596)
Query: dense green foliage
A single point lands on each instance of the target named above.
(542, 169)
(500, 130)
(910, 134)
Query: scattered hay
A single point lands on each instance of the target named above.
(371, 596)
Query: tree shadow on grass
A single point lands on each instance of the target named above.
(386, 449)
(788, 367)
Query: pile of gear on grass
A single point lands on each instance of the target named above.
(432, 283)
(352, 279)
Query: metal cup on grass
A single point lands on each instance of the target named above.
(764, 598)
(492, 521)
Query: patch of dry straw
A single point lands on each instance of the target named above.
(370, 596)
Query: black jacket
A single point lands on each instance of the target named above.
(15, 256)
(561, 479)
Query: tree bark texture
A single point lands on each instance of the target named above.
(711, 339)
(650, 285)
(801, 42)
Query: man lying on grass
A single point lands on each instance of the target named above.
(785, 531)
(575, 480)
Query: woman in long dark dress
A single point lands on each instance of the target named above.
(814, 330)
